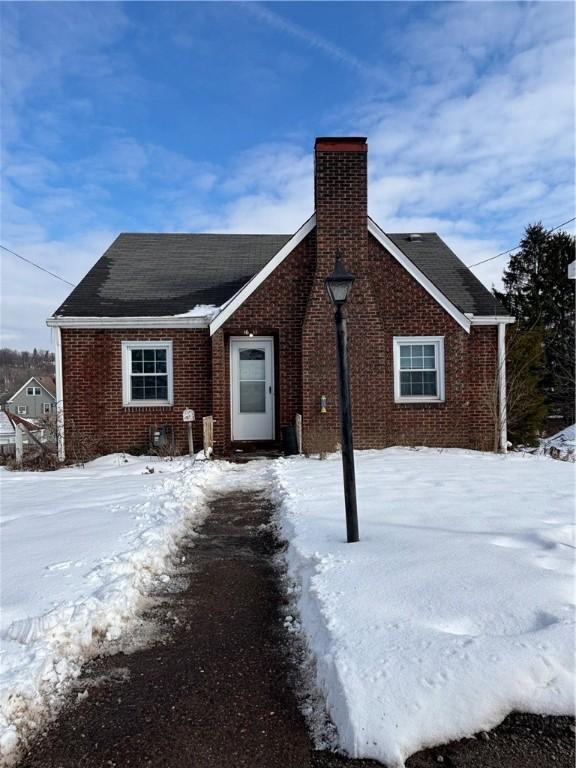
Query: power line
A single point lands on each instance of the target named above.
(491, 258)
(37, 266)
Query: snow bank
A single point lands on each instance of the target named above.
(454, 609)
(80, 547)
(564, 442)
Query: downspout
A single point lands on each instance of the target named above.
(59, 394)
(502, 387)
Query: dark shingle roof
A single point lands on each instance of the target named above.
(445, 270)
(169, 274)
(48, 382)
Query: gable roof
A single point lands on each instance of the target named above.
(166, 275)
(48, 383)
(451, 276)
(169, 274)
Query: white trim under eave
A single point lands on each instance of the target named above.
(419, 276)
(491, 319)
(165, 321)
(236, 301)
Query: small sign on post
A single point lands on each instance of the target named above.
(188, 416)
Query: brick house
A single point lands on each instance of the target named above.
(239, 327)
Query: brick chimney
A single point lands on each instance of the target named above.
(341, 199)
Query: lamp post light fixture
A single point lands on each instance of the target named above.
(338, 285)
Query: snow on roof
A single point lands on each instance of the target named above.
(201, 310)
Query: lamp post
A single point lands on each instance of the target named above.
(338, 285)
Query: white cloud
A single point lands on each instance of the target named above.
(29, 296)
(479, 143)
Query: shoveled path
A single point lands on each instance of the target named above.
(213, 691)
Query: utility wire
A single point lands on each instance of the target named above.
(476, 264)
(37, 266)
(491, 258)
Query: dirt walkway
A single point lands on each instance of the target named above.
(214, 693)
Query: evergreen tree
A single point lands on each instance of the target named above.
(525, 372)
(538, 292)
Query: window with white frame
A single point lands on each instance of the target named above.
(418, 369)
(147, 373)
(21, 410)
(46, 407)
(33, 391)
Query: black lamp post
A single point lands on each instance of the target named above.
(338, 285)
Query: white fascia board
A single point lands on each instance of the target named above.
(27, 384)
(491, 319)
(236, 301)
(419, 276)
(163, 321)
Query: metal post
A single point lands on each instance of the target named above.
(346, 428)
(190, 440)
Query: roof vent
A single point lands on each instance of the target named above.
(415, 237)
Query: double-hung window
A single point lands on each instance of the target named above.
(147, 373)
(21, 410)
(418, 369)
(46, 408)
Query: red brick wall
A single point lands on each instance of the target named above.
(464, 419)
(279, 308)
(92, 364)
(276, 308)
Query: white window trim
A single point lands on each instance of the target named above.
(21, 410)
(46, 408)
(438, 342)
(34, 393)
(127, 347)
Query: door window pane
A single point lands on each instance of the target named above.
(252, 397)
(252, 365)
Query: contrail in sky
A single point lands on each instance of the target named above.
(310, 38)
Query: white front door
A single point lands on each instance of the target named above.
(252, 388)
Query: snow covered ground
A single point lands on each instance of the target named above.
(80, 547)
(454, 609)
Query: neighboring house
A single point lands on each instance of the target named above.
(239, 327)
(35, 399)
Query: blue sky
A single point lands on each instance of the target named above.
(202, 117)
